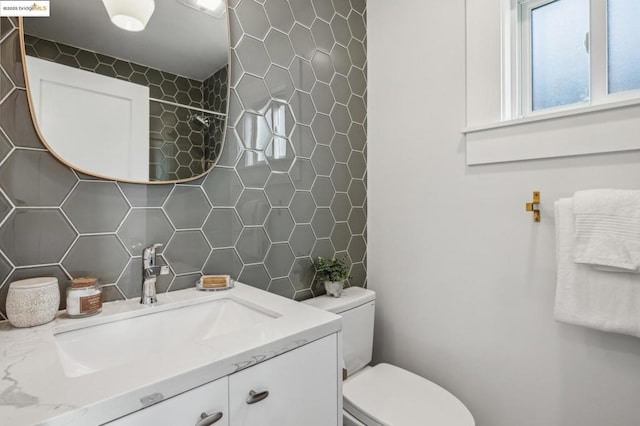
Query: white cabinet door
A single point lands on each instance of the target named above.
(302, 386)
(199, 406)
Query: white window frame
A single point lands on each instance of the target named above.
(516, 61)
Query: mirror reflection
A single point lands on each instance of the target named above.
(145, 103)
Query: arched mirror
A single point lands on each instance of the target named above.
(142, 106)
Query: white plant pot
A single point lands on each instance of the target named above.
(334, 288)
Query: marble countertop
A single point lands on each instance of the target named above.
(34, 389)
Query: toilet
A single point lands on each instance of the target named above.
(384, 394)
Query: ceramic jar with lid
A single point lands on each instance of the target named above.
(33, 301)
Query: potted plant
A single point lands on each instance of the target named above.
(333, 273)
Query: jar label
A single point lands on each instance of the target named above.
(89, 304)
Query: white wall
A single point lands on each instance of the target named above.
(465, 279)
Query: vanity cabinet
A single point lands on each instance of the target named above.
(302, 388)
(299, 387)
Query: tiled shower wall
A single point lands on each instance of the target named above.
(290, 184)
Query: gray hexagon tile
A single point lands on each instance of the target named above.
(322, 160)
(253, 56)
(302, 41)
(357, 136)
(323, 129)
(279, 83)
(253, 207)
(184, 281)
(279, 48)
(253, 18)
(340, 236)
(13, 106)
(282, 287)
(341, 206)
(222, 228)
(279, 260)
(302, 107)
(323, 247)
(302, 207)
(279, 225)
(357, 165)
(143, 227)
(253, 245)
(302, 74)
(279, 14)
(340, 59)
(322, 35)
(357, 220)
(279, 154)
(253, 169)
(358, 274)
(322, 97)
(303, 141)
(36, 236)
(302, 240)
(35, 178)
(253, 93)
(279, 189)
(322, 222)
(302, 174)
(323, 191)
(253, 130)
(255, 275)
(96, 206)
(340, 148)
(357, 193)
(340, 177)
(225, 261)
(357, 248)
(187, 252)
(223, 187)
(187, 207)
(302, 273)
(340, 118)
(101, 256)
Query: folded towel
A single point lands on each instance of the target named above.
(607, 229)
(588, 297)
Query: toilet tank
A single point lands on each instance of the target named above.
(356, 306)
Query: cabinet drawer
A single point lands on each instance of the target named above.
(302, 386)
(184, 409)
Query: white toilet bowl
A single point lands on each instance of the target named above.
(384, 394)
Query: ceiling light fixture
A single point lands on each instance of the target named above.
(215, 8)
(130, 15)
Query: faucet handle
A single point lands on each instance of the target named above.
(149, 255)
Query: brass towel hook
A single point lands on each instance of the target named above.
(534, 206)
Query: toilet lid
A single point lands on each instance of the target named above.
(389, 395)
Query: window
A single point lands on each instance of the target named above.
(564, 54)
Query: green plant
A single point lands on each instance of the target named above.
(331, 269)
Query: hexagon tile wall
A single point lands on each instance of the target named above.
(290, 184)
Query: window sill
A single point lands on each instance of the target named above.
(586, 130)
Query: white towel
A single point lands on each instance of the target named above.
(588, 297)
(607, 227)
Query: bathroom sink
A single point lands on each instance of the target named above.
(153, 333)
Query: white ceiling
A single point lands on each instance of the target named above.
(177, 39)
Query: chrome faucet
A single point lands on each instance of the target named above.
(150, 272)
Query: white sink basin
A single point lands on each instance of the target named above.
(153, 333)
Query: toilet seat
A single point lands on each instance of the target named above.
(388, 395)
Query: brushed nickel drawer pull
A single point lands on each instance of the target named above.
(256, 396)
(209, 419)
